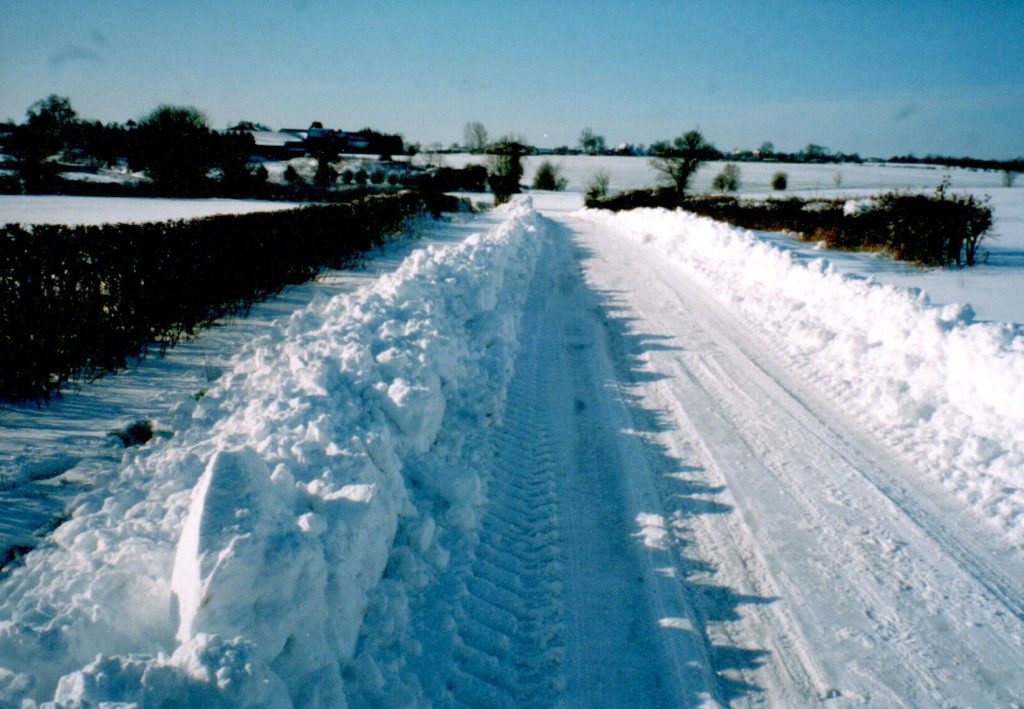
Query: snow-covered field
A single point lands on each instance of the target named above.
(559, 457)
(634, 172)
(54, 209)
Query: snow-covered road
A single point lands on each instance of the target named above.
(559, 464)
(695, 524)
(814, 563)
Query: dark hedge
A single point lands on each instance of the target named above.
(85, 300)
(930, 230)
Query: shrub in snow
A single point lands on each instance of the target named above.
(779, 181)
(506, 169)
(361, 176)
(347, 176)
(549, 177)
(377, 177)
(934, 231)
(728, 180)
(472, 178)
(291, 175)
(597, 187)
(325, 174)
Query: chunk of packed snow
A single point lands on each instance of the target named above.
(944, 390)
(240, 562)
(853, 207)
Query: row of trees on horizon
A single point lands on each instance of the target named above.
(475, 140)
(177, 148)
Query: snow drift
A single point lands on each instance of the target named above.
(947, 392)
(243, 562)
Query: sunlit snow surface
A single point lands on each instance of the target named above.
(59, 209)
(234, 562)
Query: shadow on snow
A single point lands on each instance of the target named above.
(685, 495)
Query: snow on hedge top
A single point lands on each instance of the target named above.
(59, 209)
(944, 390)
(235, 563)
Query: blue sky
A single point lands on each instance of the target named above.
(878, 78)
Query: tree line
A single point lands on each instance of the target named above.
(173, 145)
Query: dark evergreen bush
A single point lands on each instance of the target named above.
(779, 181)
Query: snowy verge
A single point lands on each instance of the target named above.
(236, 564)
(945, 391)
(63, 209)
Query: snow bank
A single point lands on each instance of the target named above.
(244, 561)
(944, 390)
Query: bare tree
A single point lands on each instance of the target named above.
(475, 136)
(591, 143)
(678, 160)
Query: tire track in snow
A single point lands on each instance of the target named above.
(561, 602)
(508, 646)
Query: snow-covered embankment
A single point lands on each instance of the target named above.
(945, 391)
(238, 563)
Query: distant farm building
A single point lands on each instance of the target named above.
(288, 143)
